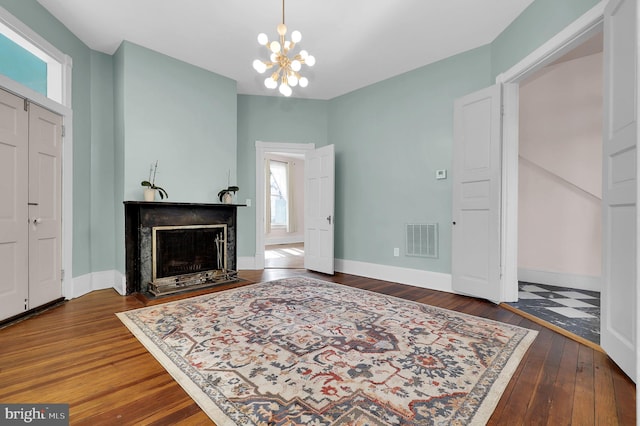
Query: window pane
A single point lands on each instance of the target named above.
(21, 66)
(279, 196)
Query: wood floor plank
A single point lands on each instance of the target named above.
(541, 401)
(80, 353)
(561, 409)
(605, 408)
(625, 395)
(584, 394)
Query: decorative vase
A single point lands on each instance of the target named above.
(149, 194)
(227, 198)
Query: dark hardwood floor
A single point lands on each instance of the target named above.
(80, 353)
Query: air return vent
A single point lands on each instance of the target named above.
(422, 239)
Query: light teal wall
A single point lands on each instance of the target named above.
(271, 119)
(21, 66)
(40, 20)
(178, 114)
(182, 116)
(118, 189)
(542, 20)
(103, 249)
(390, 139)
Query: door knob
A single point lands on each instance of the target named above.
(36, 220)
(329, 219)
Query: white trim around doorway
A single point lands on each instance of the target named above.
(570, 37)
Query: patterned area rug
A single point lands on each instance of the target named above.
(300, 351)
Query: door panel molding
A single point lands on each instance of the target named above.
(14, 239)
(619, 297)
(476, 224)
(319, 211)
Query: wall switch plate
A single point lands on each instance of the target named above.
(441, 174)
(396, 252)
(248, 202)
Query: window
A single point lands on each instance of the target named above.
(32, 61)
(279, 193)
(22, 66)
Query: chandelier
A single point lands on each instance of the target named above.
(287, 70)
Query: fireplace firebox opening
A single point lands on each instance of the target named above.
(190, 256)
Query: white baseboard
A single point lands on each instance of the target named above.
(581, 282)
(97, 281)
(415, 277)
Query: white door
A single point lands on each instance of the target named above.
(475, 261)
(14, 247)
(319, 189)
(45, 210)
(619, 188)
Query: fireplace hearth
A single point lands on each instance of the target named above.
(176, 247)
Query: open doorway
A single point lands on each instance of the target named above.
(560, 191)
(284, 210)
(285, 240)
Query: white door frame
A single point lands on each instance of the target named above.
(64, 109)
(262, 149)
(580, 30)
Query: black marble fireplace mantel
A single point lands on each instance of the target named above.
(142, 216)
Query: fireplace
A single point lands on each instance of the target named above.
(175, 247)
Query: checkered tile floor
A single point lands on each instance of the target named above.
(577, 311)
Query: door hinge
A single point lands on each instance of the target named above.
(64, 130)
(61, 274)
(26, 304)
(26, 104)
(502, 110)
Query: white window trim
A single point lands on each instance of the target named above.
(62, 107)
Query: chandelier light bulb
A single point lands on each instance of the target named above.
(296, 65)
(287, 45)
(304, 54)
(310, 60)
(282, 29)
(285, 89)
(270, 83)
(274, 46)
(293, 80)
(259, 66)
(303, 82)
(263, 39)
(273, 57)
(296, 36)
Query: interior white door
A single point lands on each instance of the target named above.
(475, 262)
(619, 190)
(14, 242)
(45, 210)
(319, 192)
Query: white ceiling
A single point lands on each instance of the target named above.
(355, 42)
